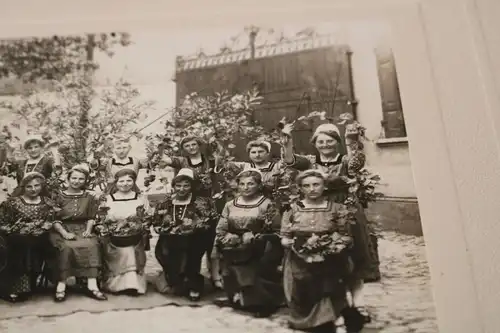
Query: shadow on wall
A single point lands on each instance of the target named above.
(402, 216)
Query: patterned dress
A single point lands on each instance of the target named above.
(25, 253)
(314, 292)
(80, 257)
(124, 266)
(364, 252)
(250, 272)
(180, 255)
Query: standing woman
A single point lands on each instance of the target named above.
(314, 291)
(247, 237)
(37, 161)
(196, 157)
(76, 247)
(183, 222)
(124, 265)
(122, 160)
(326, 139)
(24, 262)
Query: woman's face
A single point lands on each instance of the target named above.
(248, 187)
(313, 187)
(191, 147)
(326, 145)
(77, 180)
(33, 188)
(122, 150)
(258, 154)
(182, 188)
(125, 183)
(34, 149)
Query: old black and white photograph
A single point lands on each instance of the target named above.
(250, 178)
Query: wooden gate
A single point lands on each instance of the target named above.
(292, 84)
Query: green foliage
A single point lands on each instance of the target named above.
(53, 58)
(59, 121)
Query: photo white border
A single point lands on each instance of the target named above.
(450, 104)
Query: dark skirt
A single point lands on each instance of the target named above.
(80, 257)
(364, 251)
(180, 258)
(255, 278)
(315, 293)
(24, 263)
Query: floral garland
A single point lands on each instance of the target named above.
(166, 223)
(24, 227)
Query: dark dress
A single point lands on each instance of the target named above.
(364, 252)
(25, 254)
(180, 255)
(204, 176)
(315, 292)
(80, 257)
(250, 273)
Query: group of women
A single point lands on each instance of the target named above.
(249, 238)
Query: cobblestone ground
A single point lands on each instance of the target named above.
(402, 302)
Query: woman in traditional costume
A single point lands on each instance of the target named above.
(251, 251)
(196, 157)
(314, 283)
(259, 154)
(37, 161)
(76, 247)
(24, 220)
(124, 262)
(183, 221)
(326, 139)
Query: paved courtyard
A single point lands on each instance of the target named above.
(401, 302)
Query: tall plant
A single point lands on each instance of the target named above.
(114, 111)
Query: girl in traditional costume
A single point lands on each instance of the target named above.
(326, 139)
(24, 220)
(247, 239)
(183, 222)
(124, 263)
(77, 251)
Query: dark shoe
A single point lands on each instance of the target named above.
(60, 296)
(354, 319)
(263, 313)
(96, 294)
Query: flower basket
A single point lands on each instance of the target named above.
(126, 240)
(238, 255)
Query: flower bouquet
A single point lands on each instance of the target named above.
(27, 227)
(318, 248)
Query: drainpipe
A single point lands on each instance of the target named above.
(352, 98)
